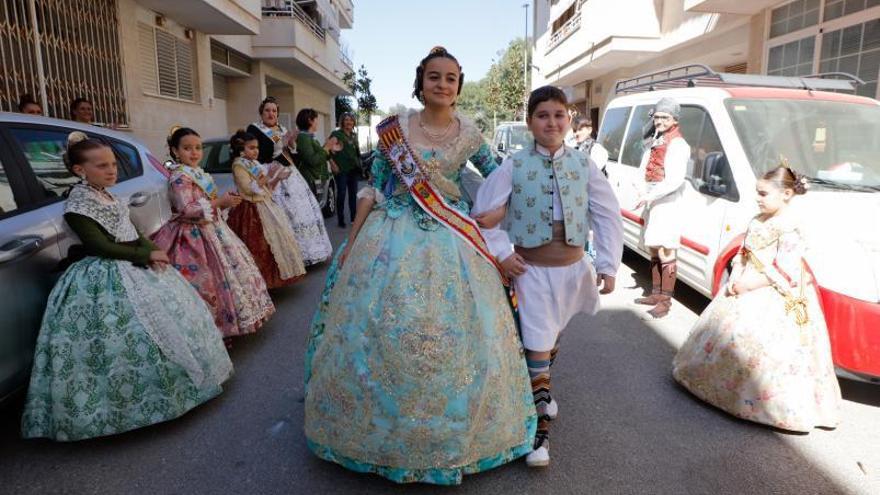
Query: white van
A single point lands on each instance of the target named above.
(738, 127)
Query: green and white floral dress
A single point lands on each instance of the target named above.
(121, 345)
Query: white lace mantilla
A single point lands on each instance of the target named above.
(108, 211)
(270, 133)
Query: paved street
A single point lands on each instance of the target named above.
(624, 427)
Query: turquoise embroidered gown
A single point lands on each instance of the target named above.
(414, 370)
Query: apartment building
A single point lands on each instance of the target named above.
(151, 64)
(585, 46)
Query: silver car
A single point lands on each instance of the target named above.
(33, 235)
(218, 162)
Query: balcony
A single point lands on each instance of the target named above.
(747, 7)
(211, 16)
(289, 9)
(564, 32)
(346, 13)
(291, 40)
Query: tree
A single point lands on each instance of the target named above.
(344, 103)
(367, 105)
(506, 89)
(397, 108)
(472, 102)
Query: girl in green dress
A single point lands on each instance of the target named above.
(126, 341)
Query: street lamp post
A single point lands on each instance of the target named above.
(526, 62)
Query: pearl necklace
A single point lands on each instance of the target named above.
(435, 138)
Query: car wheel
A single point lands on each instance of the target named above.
(330, 205)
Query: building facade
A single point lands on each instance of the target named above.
(585, 46)
(150, 64)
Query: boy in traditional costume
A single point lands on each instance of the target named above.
(552, 195)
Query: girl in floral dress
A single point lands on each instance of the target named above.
(204, 249)
(125, 341)
(760, 350)
(257, 220)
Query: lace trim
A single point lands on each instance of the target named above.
(160, 325)
(113, 217)
(207, 209)
(371, 192)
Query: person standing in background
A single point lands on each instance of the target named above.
(346, 166)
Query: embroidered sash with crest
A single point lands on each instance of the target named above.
(202, 179)
(406, 166)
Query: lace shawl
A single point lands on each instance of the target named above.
(113, 217)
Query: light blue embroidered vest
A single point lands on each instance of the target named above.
(529, 219)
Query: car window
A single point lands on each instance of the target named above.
(613, 127)
(635, 144)
(217, 158)
(699, 132)
(129, 157)
(7, 199)
(44, 150)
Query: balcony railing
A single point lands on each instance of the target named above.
(564, 32)
(287, 8)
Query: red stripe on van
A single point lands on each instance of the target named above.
(684, 240)
(797, 94)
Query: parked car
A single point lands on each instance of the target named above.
(218, 162)
(737, 130)
(509, 138)
(33, 235)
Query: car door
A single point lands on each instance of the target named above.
(40, 150)
(615, 138)
(145, 189)
(704, 210)
(29, 255)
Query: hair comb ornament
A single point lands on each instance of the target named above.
(174, 129)
(76, 137)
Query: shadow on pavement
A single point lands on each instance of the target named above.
(624, 427)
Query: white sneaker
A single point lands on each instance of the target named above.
(552, 409)
(539, 457)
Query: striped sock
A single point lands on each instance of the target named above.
(553, 353)
(539, 372)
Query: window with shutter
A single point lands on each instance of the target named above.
(149, 71)
(221, 88)
(174, 66)
(185, 86)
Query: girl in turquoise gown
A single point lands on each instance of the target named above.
(414, 370)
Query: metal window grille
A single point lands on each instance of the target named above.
(167, 64)
(59, 50)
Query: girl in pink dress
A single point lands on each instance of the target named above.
(204, 249)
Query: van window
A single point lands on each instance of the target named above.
(636, 143)
(613, 127)
(43, 149)
(699, 132)
(7, 199)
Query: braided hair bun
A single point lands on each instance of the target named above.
(786, 178)
(78, 143)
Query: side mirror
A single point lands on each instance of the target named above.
(716, 174)
(501, 147)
